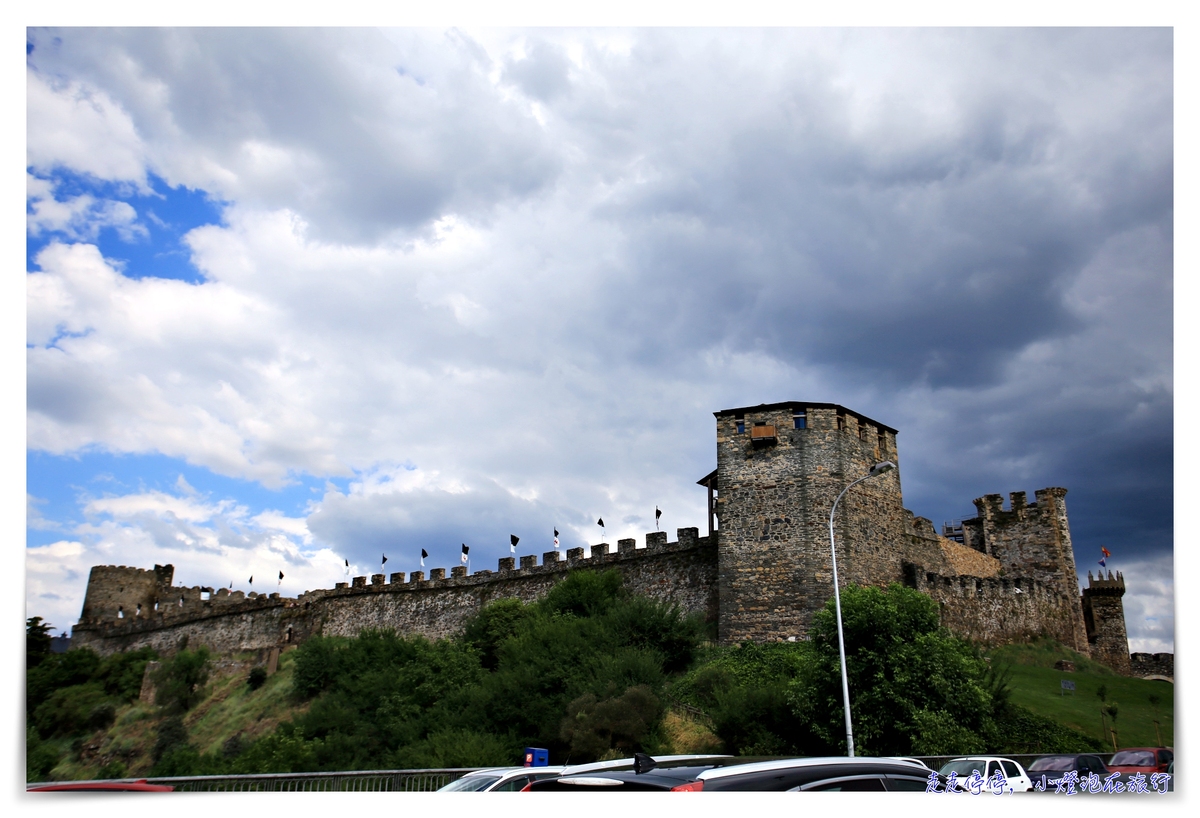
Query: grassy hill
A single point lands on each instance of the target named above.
(1036, 685)
(230, 714)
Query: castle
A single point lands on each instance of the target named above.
(760, 573)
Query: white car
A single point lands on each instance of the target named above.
(1013, 774)
(500, 779)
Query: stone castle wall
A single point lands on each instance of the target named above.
(1157, 665)
(681, 573)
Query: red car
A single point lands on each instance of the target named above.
(1144, 760)
(140, 785)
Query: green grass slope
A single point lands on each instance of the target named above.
(1036, 685)
(230, 712)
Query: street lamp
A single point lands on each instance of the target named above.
(876, 470)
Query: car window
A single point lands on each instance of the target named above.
(964, 767)
(471, 783)
(864, 784)
(1165, 757)
(514, 784)
(1010, 768)
(897, 784)
(1134, 758)
(1053, 763)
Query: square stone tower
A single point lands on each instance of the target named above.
(779, 468)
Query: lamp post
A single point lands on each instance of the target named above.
(876, 470)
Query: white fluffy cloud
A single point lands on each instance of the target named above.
(529, 265)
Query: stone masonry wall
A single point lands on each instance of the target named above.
(682, 573)
(1143, 665)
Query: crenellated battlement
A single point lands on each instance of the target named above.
(1108, 586)
(682, 572)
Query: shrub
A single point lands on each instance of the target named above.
(257, 678)
(180, 680)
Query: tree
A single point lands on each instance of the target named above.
(180, 680)
(37, 641)
(914, 687)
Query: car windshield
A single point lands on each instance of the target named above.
(471, 783)
(1134, 758)
(963, 767)
(1053, 763)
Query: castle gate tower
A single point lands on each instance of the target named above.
(1104, 617)
(780, 467)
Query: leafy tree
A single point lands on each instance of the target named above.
(56, 671)
(257, 678)
(911, 682)
(180, 680)
(37, 641)
(594, 728)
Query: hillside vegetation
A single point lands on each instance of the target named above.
(589, 672)
(1137, 703)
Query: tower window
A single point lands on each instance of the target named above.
(882, 441)
(841, 420)
(799, 420)
(741, 424)
(862, 432)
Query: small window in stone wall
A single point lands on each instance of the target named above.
(882, 441)
(862, 432)
(841, 420)
(120, 612)
(139, 610)
(205, 595)
(799, 419)
(741, 424)
(156, 604)
(180, 602)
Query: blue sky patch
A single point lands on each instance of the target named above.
(59, 482)
(167, 215)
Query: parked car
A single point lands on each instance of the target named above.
(1053, 766)
(1145, 760)
(1013, 774)
(500, 779)
(732, 774)
(138, 785)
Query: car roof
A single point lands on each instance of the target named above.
(661, 761)
(797, 763)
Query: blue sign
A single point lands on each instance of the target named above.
(536, 757)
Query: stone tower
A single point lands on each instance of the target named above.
(1031, 540)
(117, 592)
(779, 468)
(1104, 617)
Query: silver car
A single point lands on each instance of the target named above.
(500, 779)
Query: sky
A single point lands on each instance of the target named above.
(297, 297)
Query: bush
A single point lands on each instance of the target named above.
(257, 678)
(171, 735)
(73, 710)
(113, 769)
(180, 680)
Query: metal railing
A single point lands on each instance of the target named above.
(357, 781)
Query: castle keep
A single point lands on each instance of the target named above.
(761, 573)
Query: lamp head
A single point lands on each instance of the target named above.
(880, 468)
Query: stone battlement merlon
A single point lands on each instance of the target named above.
(178, 604)
(1105, 585)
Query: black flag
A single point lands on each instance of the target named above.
(556, 539)
(280, 577)
(463, 558)
(424, 554)
(513, 539)
(384, 562)
(251, 579)
(600, 522)
(657, 514)
(230, 583)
